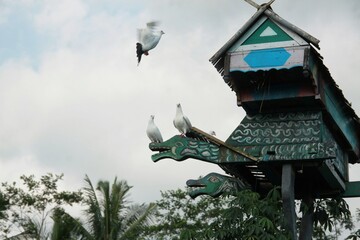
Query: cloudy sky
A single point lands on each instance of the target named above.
(74, 101)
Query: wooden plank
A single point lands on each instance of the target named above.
(218, 142)
(342, 115)
(273, 16)
(330, 175)
(257, 6)
(252, 3)
(352, 189)
(219, 54)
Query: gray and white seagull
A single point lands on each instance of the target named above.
(181, 122)
(148, 38)
(153, 131)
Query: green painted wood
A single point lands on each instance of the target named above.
(327, 170)
(343, 119)
(292, 136)
(267, 32)
(352, 189)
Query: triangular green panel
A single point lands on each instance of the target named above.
(266, 33)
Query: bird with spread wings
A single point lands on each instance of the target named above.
(148, 38)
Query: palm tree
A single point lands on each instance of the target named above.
(109, 215)
(64, 227)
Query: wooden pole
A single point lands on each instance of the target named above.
(252, 3)
(288, 197)
(306, 227)
(283, 22)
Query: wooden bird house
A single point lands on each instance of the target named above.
(295, 110)
(299, 131)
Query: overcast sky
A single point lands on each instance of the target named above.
(74, 101)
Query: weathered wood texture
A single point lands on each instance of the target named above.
(288, 197)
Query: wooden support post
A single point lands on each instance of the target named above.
(306, 228)
(288, 197)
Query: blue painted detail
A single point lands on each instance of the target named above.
(267, 58)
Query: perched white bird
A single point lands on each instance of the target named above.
(148, 38)
(153, 131)
(181, 122)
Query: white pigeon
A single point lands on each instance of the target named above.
(153, 131)
(148, 38)
(181, 122)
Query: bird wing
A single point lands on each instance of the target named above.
(187, 121)
(152, 24)
(148, 37)
(157, 134)
(149, 40)
(145, 33)
(139, 34)
(142, 33)
(153, 132)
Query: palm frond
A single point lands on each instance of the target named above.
(93, 212)
(104, 188)
(72, 225)
(119, 194)
(109, 215)
(138, 216)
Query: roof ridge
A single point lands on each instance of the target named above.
(264, 9)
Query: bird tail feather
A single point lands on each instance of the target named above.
(139, 52)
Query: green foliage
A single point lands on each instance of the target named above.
(4, 206)
(331, 216)
(108, 213)
(25, 209)
(180, 217)
(64, 226)
(253, 217)
(355, 235)
(245, 216)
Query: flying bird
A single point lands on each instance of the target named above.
(181, 122)
(148, 38)
(153, 131)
